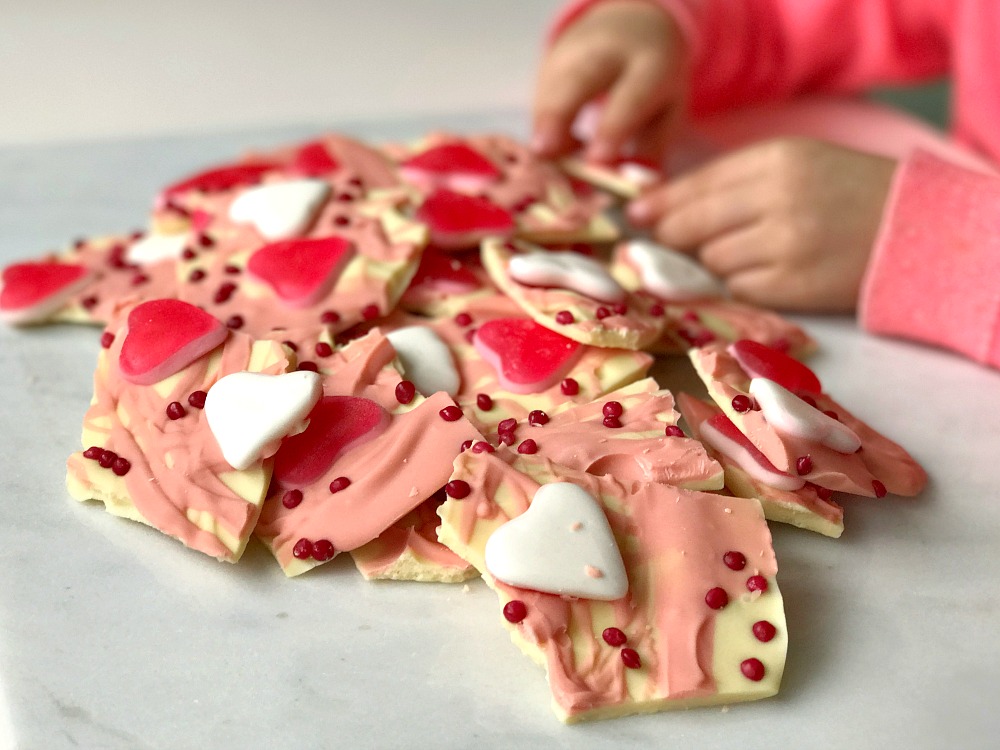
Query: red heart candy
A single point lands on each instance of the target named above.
(220, 178)
(456, 220)
(314, 159)
(527, 357)
(451, 165)
(445, 272)
(301, 272)
(31, 291)
(336, 424)
(760, 361)
(165, 336)
(728, 429)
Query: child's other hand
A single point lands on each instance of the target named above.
(787, 224)
(632, 52)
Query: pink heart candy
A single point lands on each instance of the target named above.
(165, 336)
(32, 291)
(527, 357)
(450, 165)
(456, 220)
(336, 424)
(301, 271)
(761, 361)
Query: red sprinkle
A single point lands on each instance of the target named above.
(757, 583)
(528, 447)
(120, 466)
(292, 498)
(507, 425)
(612, 422)
(370, 312)
(232, 270)
(742, 403)
(405, 391)
(537, 418)
(197, 399)
(569, 387)
(482, 447)
(291, 345)
(656, 310)
(832, 414)
(93, 452)
(466, 444)
(463, 319)
(879, 488)
(612, 409)
(322, 550)
(341, 221)
(89, 303)
(764, 631)
(451, 414)
(330, 317)
(107, 339)
(514, 611)
(175, 410)
(235, 322)
(107, 458)
(224, 292)
(601, 313)
(457, 488)
(752, 669)
(303, 549)
(188, 254)
(619, 308)
(196, 275)
(323, 349)
(808, 399)
(614, 637)
(564, 317)
(507, 438)
(630, 658)
(734, 560)
(139, 278)
(484, 402)
(673, 430)
(803, 464)
(205, 241)
(717, 598)
(307, 366)
(340, 483)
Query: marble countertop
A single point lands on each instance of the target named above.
(114, 636)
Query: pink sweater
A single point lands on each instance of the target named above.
(934, 275)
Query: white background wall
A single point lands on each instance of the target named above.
(82, 69)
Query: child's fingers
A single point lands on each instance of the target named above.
(738, 251)
(700, 221)
(654, 138)
(631, 101)
(563, 88)
(744, 165)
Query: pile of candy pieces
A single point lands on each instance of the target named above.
(434, 357)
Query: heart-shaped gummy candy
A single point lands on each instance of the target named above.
(456, 220)
(165, 336)
(336, 424)
(452, 165)
(301, 272)
(527, 357)
(33, 291)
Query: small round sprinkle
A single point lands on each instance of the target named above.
(463, 319)
(482, 447)
(528, 447)
(514, 611)
(764, 631)
(619, 308)
(457, 488)
(752, 669)
(537, 418)
(630, 658)
(742, 403)
(757, 583)
(717, 598)
(614, 637)
(612, 409)
(370, 312)
(107, 339)
(803, 464)
(484, 402)
(303, 549)
(323, 349)
(291, 499)
(175, 410)
(450, 414)
(330, 317)
(672, 430)
(405, 391)
(564, 317)
(734, 560)
(656, 310)
(120, 466)
(612, 422)
(235, 322)
(197, 399)
(879, 488)
(307, 366)
(601, 313)
(322, 550)
(339, 484)
(569, 387)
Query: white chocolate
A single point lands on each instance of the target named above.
(426, 360)
(670, 275)
(788, 413)
(567, 270)
(250, 412)
(154, 248)
(562, 544)
(280, 210)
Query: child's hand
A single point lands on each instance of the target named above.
(630, 50)
(786, 224)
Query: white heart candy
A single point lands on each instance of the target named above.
(788, 413)
(562, 544)
(249, 412)
(670, 275)
(156, 247)
(280, 210)
(567, 270)
(426, 360)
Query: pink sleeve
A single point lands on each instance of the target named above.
(935, 273)
(748, 51)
